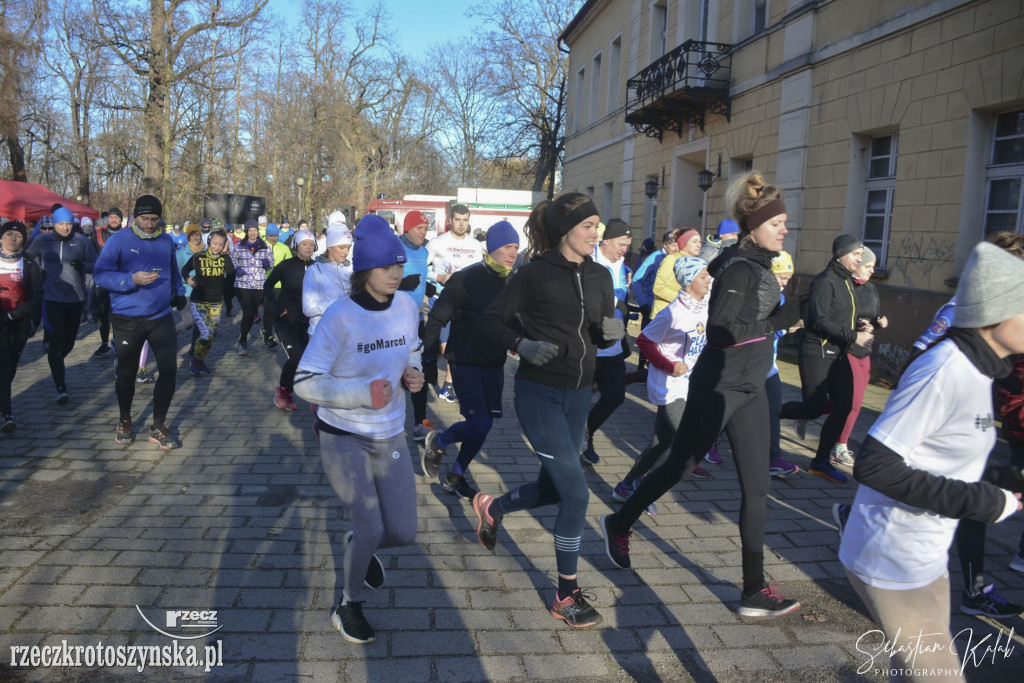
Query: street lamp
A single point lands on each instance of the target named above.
(300, 182)
(705, 178)
(651, 188)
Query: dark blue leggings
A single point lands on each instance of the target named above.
(479, 391)
(554, 420)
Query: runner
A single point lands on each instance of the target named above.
(782, 268)
(114, 217)
(610, 365)
(137, 266)
(672, 343)
(64, 256)
(290, 324)
(362, 353)
(553, 383)
(281, 253)
(327, 280)
(21, 305)
(206, 273)
(414, 283)
(478, 368)
(252, 259)
(920, 466)
(727, 389)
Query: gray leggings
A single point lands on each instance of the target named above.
(374, 480)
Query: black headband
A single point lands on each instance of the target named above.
(775, 207)
(562, 226)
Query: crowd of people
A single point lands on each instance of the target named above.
(364, 314)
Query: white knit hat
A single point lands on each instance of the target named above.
(991, 288)
(336, 217)
(338, 234)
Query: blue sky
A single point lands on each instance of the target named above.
(416, 24)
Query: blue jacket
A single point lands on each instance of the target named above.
(416, 263)
(125, 254)
(61, 281)
(643, 280)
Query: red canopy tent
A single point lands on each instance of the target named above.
(29, 202)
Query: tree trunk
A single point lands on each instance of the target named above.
(17, 153)
(156, 100)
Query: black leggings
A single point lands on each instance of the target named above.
(822, 379)
(745, 419)
(250, 300)
(62, 320)
(103, 313)
(610, 377)
(12, 341)
(293, 338)
(129, 336)
(269, 313)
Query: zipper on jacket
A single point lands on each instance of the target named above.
(579, 328)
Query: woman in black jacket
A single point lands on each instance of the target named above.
(727, 388)
(564, 301)
(825, 373)
(290, 323)
(21, 301)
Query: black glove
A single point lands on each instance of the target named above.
(536, 352)
(429, 369)
(784, 317)
(179, 302)
(409, 282)
(78, 265)
(612, 329)
(431, 290)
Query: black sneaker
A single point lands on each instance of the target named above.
(432, 454)
(103, 350)
(457, 484)
(840, 513)
(589, 456)
(351, 624)
(766, 603)
(374, 572)
(988, 603)
(269, 341)
(487, 526)
(161, 437)
(575, 610)
(616, 546)
(193, 367)
(7, 424)
(62, 397)
(125, 432)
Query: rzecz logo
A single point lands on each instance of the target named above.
(182, 624)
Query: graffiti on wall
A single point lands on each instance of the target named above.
(918, 254)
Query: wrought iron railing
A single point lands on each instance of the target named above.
(694, 77)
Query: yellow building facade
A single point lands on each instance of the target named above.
(899, 121)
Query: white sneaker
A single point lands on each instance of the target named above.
(842, 456)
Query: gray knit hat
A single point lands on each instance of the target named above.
(990, 288)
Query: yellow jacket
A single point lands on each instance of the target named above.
(666, 286)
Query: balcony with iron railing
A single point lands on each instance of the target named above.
(680, 88)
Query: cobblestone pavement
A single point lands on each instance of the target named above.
(240, 519)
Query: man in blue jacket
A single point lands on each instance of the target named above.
(138, 267)
(65, 256)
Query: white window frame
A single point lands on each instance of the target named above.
(659, 42)
(1006, 171)
(581, 102)
(887, 184)
(614, 73)
(595, 87)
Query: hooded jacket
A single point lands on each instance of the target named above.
(324, 283)
(62, 281)
(557, 301)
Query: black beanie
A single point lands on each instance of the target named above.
(616, 227)
(844, 244)
(14, 225)
(116, 212)
(147, 203)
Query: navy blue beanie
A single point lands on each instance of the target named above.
(375, 245)
(501, 234)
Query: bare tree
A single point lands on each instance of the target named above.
(20, 23)
(530, 68)
(151, 41)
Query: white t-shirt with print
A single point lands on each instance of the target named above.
(357, 345)
(940, 420)
(447, 254)
(681, 336)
